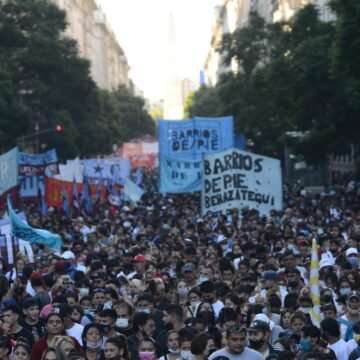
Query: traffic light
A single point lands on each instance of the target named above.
(58, 128)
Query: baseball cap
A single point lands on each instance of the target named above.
(188, 267)
(258, 325)
(264, 318)
(270, 275)
(351, 251)
(67, 255)
(220, 238)
(354, 294)
(63, 309)
(139, 258)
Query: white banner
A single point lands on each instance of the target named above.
(235, 178)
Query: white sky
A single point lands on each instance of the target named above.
(140, 27)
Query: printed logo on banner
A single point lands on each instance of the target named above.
(38, 164)
(235, 178)
(180, 176)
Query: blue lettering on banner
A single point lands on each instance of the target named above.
(189, 139)
(179, 176)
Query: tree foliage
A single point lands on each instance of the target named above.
(44, 81)
(301, 75)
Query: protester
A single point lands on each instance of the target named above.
(162, 271)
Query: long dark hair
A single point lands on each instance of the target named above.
(87, 327)
(121, 342)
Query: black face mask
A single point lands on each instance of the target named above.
(293, 284)
(277, 249)
(117, 357)
(256, 344)
(106, 329)
(251, 287)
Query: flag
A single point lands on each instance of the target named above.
(139, 176)
(113, 196)
(314, 285)
(65, 202)
(132, 192)
(42, 205)
(22, 230)
(75, 195)
(86, 198)
(98, 195)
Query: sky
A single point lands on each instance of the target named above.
(141, 29)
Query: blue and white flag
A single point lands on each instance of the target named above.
(8, 170)
(132, 192)
(23, 231)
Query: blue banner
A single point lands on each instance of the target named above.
(8, 170)
(189, 139)
(179, 176)
(115, 171)
(240, 141)
(42, 164)
(21, 230)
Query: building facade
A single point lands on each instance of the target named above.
(233, 14)
(97, 42)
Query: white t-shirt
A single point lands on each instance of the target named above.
(247, 354)
(342, 349)
(76, 332)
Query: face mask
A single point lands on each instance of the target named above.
(256, 344)
(353, 261)
(83, 292)
(305, 345)
(174, 351)
(211, 351)
(106, 329)
(122, 323)
(353, 311)
(186, 354)
(293, 284)
(356, 337)
(146, 355)
(146, 310)
(277, 249)
(92, 345)
(183, 292)
(345, 291)
(251, 288)
(224, 248)
(194, 304)
(305, 310)
(203, 279)
(117, 357)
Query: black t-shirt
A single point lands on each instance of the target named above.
(38, 330)
(25, 333)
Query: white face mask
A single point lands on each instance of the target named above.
(122, 323)
(186, 354)
(305, 310)
(92, 345)
(194, 304)
(174, 351)
(345, 291)
(183, 292)
(146, 310)
(203, 279)
(83, 292)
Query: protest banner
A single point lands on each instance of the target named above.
(179, 176)
(8, 170)
(189, 139)
(42, 164)
(55, 187)
(9, 177)
(115, 170)
(235, 178)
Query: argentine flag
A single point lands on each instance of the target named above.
(132, 192)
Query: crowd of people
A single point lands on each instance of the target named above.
(160, 281)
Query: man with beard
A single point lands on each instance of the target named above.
(236, 346)
(12, 327)
(259, 335)
(18, 291)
